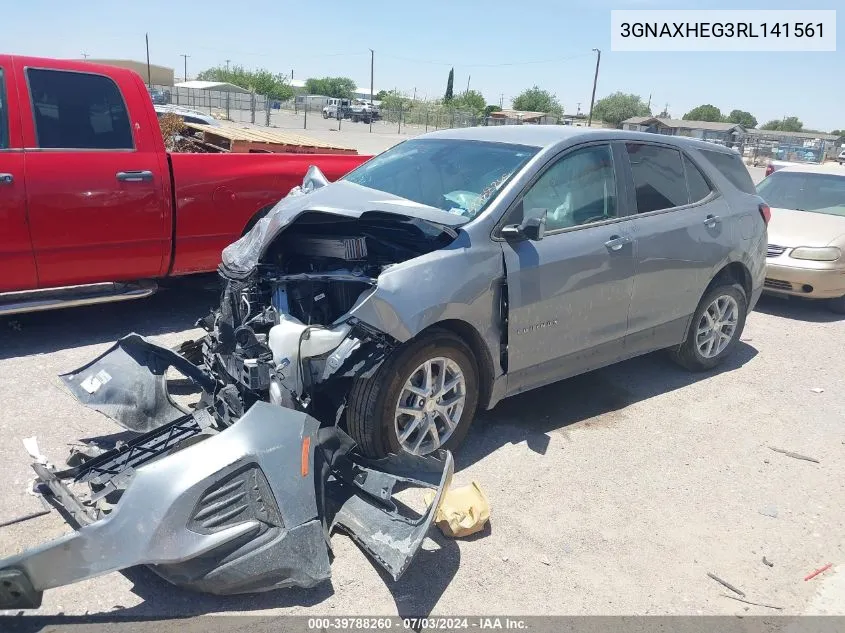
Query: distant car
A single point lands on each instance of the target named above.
(806, 251)
(159, 96)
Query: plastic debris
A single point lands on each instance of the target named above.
(759, 604)
(463, 511)
(769, 511)
(767, 562)
(817, 390)
(820, 570)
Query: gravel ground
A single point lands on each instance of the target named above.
(615, 492)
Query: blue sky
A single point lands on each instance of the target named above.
(489, 43)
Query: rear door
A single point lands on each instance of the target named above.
(568, 294)
(17, 263)
(682, 233)
(96, 182)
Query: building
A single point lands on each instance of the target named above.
(215, 86)
(729, 134)
(519, 117)
(158, 75)
(815, 146)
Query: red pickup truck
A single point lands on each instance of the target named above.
(92, 207)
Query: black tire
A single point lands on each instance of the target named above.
(836, 305)
(687, 354)
(370, 413)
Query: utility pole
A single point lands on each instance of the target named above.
(595, 81)
(649, 102)
(502, 100)
(185, 57)
(149, 74)
(578, 111)
(85, 55)
(227, 66)
(372, 66)
(415, 93)
(468, 78)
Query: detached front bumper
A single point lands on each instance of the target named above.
(247, 508)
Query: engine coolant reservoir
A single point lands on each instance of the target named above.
(284, 341)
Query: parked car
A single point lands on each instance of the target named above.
(187, 114)
(159, 96)
(83, 226)
(806, 252)
(464, 266)
(841, 158)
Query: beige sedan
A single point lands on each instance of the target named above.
(806, 254)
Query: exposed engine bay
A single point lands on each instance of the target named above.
(283, 334)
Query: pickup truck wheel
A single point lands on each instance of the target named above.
(715, 328)
(422, 398)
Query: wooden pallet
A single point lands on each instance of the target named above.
(239, 140)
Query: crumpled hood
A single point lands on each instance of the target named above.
(340, 198)
(791, 228)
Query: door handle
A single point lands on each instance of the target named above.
(6, 179)
(616, 242)
(712, 220)
(134, 176)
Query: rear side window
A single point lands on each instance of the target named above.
(732, 168)
(698, 186)
(4, 114)
(78, 111)
(658, 177)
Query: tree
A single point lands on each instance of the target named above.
(380, 95)
(837, 132)
(337, 87)
(787, 124)
(393, 100)
(450, 83)
(664, 115)
(618, 107)
(471, 100)
(538, 100)
(490, 109)
(261, 81)
(745, 119)
(705, 112)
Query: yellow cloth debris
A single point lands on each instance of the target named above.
(463, 511)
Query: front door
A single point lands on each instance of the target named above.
(98, 206)
(568, 294)
(17, 264)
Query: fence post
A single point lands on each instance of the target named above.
(426, 119)
(399, 129)
(305, 118)
(267, 112)
(252, 106)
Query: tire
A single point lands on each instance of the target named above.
(836, 305)
(688, 354)
(371, 411)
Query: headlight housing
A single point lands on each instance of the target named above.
(816, 254)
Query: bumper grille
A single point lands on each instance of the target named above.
(241, 496)
(773, 250)
(777, 284)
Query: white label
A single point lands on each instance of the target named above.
(91, 384)
(723, 30)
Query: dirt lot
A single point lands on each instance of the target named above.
(612, 493)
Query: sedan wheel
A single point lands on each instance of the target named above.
(430, 405)
(717, 326)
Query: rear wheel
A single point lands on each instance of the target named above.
(422, 398)
(715, 328)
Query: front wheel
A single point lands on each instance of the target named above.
(422, 398)
(715, 328)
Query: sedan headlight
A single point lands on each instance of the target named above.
(816, 254)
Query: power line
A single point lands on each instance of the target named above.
(500, 65)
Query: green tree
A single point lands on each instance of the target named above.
(618, 107)
(745, 119)
(788, 124)
(380, 95)
(705, 112)
(450, 84)
(261, 81)
(393, 100)
(538, 100)
(471, 100)
(337, 87)
(490, 109)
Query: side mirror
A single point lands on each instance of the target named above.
(533, 227)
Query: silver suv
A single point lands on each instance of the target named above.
(464, 266)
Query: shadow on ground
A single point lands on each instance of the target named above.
(590, 399)
(798, 309)
(169, 310)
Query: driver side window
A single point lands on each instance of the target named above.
(578, 189)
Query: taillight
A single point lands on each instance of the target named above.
(765, 212)
(770, 169)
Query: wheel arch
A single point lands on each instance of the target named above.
(732, 272)
(256, 217)
(481, 354)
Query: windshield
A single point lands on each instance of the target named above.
(820, 193)
(457, 176)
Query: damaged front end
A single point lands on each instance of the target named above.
(210, 502)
